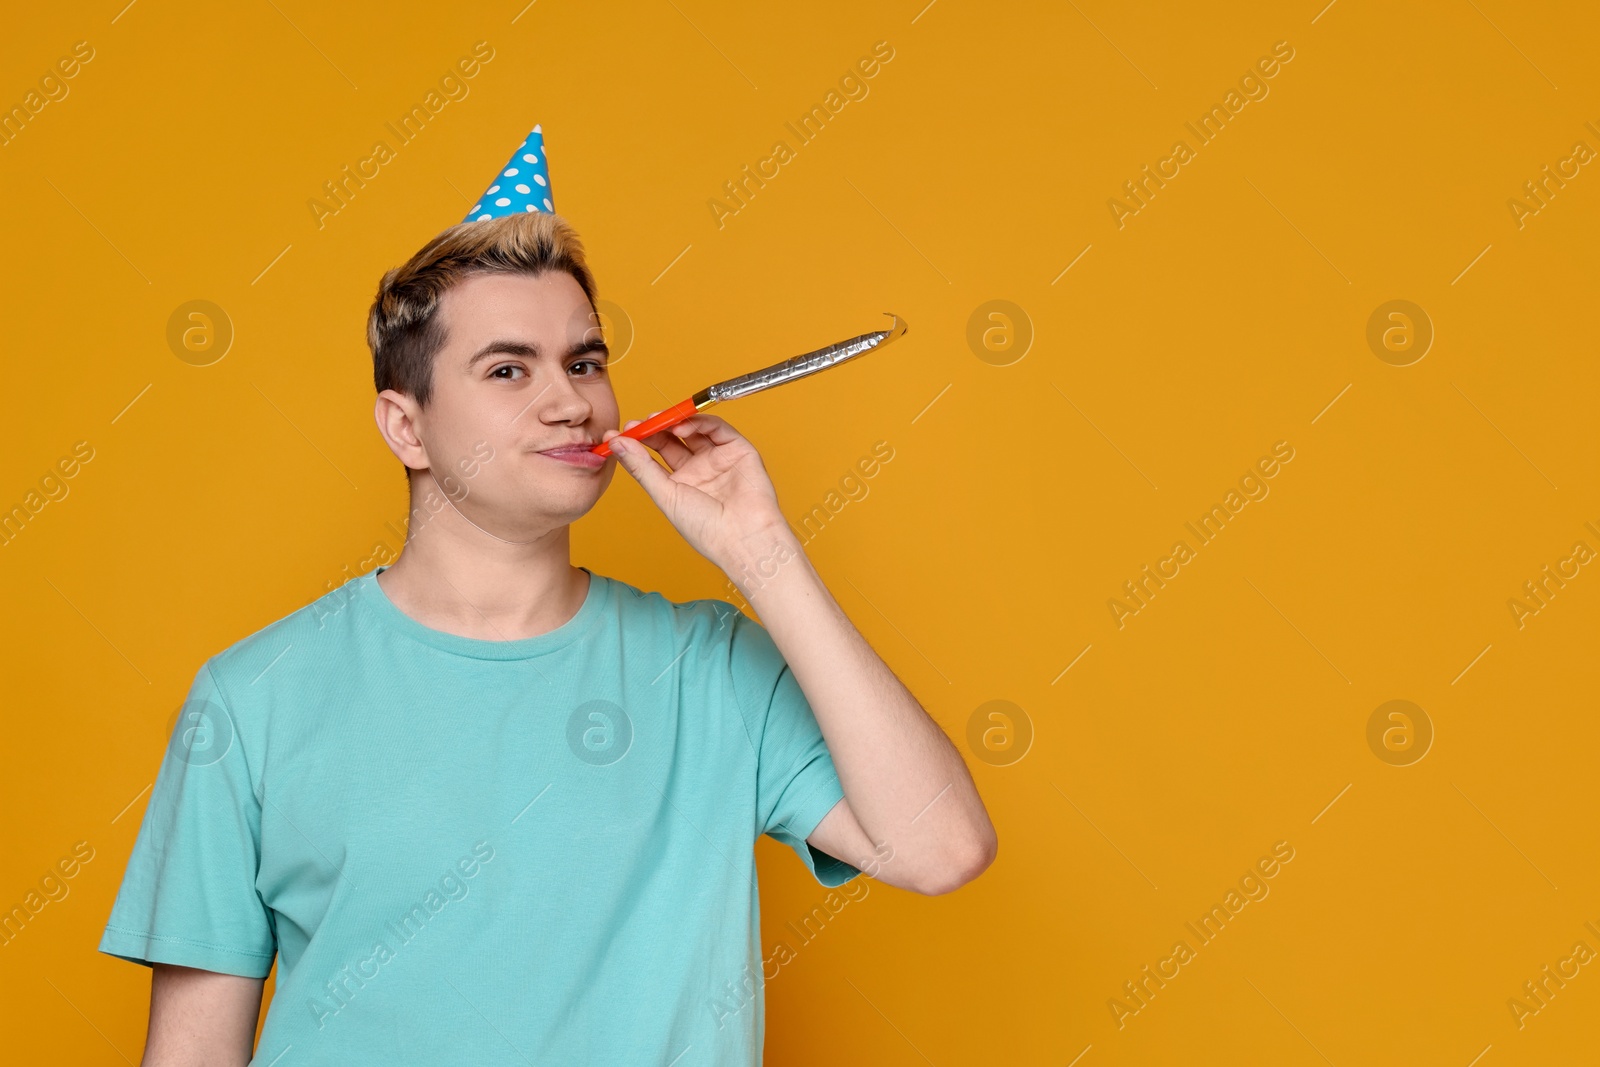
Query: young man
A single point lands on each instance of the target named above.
(488, 807)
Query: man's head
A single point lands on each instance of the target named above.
(486, 352)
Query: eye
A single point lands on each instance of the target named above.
(599, 367)
(506, 367)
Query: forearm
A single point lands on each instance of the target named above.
(201, 1018)
(905, 782)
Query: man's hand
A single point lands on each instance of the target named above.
(909, 799)
(714, 490)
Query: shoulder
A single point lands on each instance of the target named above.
(719, 632)
(715, 636)
(309, 631)
(705, 619)
(714, 640)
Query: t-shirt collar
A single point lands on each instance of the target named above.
(382, 609)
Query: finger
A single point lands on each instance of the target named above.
(689, 438)
(636, 459)
(654, 440)
(662, 441)
(701, 433)
(717, 429)
(671, 449)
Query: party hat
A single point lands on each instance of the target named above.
(523, 184)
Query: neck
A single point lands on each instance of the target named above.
(460, 574)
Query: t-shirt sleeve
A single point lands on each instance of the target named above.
(796, 784)
(188, 895)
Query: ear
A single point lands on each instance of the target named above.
(399, 420)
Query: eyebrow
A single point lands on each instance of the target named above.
(529, 350)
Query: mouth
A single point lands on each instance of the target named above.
(579, 455)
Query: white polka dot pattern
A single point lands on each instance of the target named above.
(528, 164)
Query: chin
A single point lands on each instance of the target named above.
(564, 503)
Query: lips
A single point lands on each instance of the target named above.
(576, 455)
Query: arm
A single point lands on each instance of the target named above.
(201, 1018)
(911, 809)
(911, 814)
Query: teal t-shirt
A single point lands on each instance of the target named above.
(488, 852)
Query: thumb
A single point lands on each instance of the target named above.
(635, 458)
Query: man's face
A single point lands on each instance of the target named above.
(523, 371)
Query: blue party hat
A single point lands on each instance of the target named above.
(523, 184)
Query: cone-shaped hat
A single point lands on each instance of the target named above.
(523, 184)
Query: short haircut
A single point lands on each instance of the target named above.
(404, 330)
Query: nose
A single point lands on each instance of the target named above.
(564, 402)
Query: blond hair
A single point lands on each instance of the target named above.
(404, 330)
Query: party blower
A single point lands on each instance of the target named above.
(756, 381)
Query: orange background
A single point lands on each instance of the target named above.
(1229, 313)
